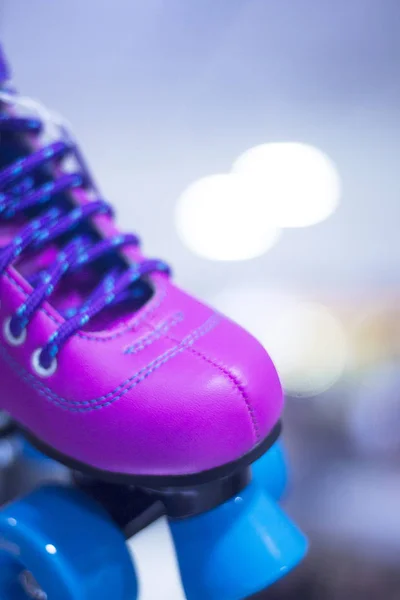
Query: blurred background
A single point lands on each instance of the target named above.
(254, 145)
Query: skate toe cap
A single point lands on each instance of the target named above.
(219, 398)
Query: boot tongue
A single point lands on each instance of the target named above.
(5, 73)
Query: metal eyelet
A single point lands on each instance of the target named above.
(10, 337)
(39, 368)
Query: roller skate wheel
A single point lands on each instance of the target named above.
(237, 549)
(58, 544)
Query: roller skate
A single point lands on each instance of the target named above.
(154, 402)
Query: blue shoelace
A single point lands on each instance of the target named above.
(19, 194)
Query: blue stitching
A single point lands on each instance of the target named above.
(105, 404)
(237, 385)
(97, 403)
(93, 337)
(160, 331)
(232, 378)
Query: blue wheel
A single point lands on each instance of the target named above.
(237, 549)
(58, 544)
(271, 473)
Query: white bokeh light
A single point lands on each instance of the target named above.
(305, 340)
(298, 182)
(218, 218)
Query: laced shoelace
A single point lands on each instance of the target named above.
(17, 194)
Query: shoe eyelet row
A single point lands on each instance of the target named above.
(35, 359)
